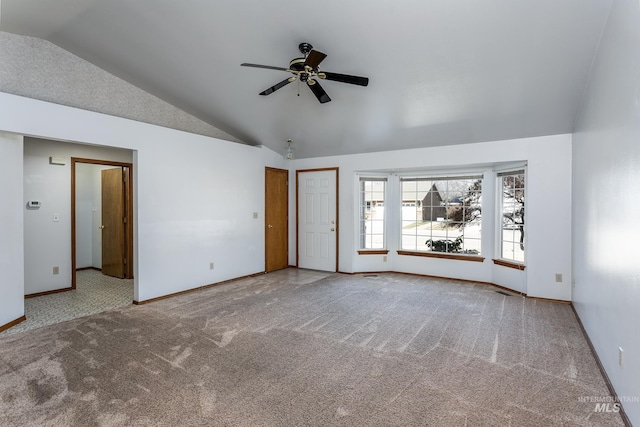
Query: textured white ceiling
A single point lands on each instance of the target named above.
(441, 72)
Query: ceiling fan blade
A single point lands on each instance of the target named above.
(269, 67)
(318, 91)
(344, 78)
(277, 86)
(314, 59)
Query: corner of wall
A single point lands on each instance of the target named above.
(11, 226)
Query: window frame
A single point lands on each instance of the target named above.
(462, 175)
(499, 218)
(360, 178)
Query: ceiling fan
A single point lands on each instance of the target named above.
(305, 69)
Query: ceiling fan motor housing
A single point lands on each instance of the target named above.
(297, 64)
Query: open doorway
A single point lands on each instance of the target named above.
(58, 285)
(101, 218)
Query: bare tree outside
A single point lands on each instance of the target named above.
(513, 206)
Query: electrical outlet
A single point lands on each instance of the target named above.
(56, 270)
(255, 215)
(384, 258)
(620, 359)
(211, 266)
(558, 278)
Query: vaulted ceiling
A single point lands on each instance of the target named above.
(441, 72)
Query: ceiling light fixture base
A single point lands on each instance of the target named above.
(289, 153)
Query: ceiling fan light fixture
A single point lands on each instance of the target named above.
(289, 152)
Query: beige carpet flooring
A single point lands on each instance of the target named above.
(289, 349)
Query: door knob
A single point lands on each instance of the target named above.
(333, 229)
(101, 227)
(270, 226)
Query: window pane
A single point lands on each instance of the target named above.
(512, 216)
(371, 211)
(441, 215)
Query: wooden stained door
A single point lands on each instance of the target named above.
(113, 223)
(275, 218)
(318, 219)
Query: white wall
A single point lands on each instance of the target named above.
(11, 224)
(84, 215)
(194, 196)
(548, 211)
(606, 206)
(47, 243)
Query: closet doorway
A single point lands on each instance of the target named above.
(101, 218)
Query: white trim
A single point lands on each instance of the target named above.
(440, 177)
(358, 235)
(499, 213)
(511, 167)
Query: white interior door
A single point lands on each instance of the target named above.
(317, 220)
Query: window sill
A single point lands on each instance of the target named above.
(459, 257)
(373, 252)
(509, 264)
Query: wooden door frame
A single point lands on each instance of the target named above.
(267, 168)
(129, 202)
(298, 172)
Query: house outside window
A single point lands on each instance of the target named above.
(372, 217)
(442, 214)
(512, 218)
